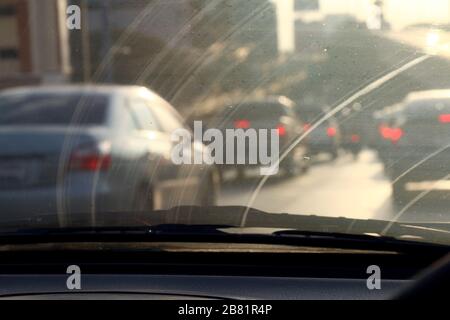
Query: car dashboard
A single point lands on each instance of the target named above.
(221, 271)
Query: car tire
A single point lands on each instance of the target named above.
(292, 168)
(334, 154)
(400, 196)
(306, 166)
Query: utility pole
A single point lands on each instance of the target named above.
(85, 41)
(375, 20)
(107, 48)
(285, 26)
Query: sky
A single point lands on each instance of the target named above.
(399, 13)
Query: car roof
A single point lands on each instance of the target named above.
(426, 104)
(280, 100)
(389, 111)
(442, 94)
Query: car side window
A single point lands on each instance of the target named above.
(168, 118)
(143, 114)
(129, 121)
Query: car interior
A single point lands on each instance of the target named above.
(213, 261)
(235, 150)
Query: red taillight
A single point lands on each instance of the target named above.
(385, 132)
(393, 134)
(90, 163)
(444, 118)
(242, 124)
(306, 126)
(396, 134)
(355, 138)
(331, 131)
(90, 158)
(281, 129)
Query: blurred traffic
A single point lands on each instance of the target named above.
(82, 149)
(359, 97)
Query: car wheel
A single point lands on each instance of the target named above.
(400, 195)
(305, 165)
(334, 154)
(292, 168)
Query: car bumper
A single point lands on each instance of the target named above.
(420, 168)
(322, 147)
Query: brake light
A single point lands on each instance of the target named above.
(444, 118)
(396, 134)
(281, 129)
(355, 138)
(393, 134)
(90, 158)
(90, 163)
(242, 124)
(331, 131)
(385, 132)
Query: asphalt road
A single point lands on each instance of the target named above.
(344, 187)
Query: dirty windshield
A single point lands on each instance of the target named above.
(226, 112)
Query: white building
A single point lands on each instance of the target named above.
(33, 42)
(398, 13)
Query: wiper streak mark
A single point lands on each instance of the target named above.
(367, 89)
(411, 203)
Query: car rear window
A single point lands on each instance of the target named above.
(53, 109)
(428, 110)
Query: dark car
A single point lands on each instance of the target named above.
(351, 141)
(420, 150)
(71, 149)
(326, 137)
(270, 113)
(386, 121)
(354, 130)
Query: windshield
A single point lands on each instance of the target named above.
(316, 108)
